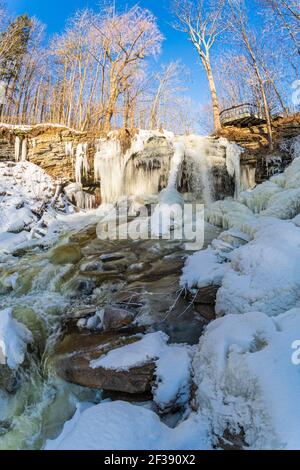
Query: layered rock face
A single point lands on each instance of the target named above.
(45, 147)
(122, 163)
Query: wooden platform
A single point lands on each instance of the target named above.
(242, 115)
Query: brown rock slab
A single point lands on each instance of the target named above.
(116, 318)
(72, 363)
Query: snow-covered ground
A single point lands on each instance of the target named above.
(246, 378)
(123, 426)
(30, 211)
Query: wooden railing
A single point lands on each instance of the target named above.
(241, 111)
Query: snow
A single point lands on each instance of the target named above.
(173, 363)
(123, 426)
(27, 206)
(247, 380)
(263, 275)
(14, 338)
(203, 268)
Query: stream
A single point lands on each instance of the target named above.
(50, 289)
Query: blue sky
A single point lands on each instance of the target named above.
(176, 46)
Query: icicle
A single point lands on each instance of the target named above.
(69, 149)
(81, 164)
(233, 163)
(24, 150)
(17, 148)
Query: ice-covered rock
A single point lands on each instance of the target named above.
(173, 365)
(14, 338)
(263, 275)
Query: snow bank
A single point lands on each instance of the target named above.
(246, 379)
(263, 275)
(14, 338)
(204, 268)
(123, 426)
(173, 366)
(27, 204)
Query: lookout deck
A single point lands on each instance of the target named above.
(242, 115)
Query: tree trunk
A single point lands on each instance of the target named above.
(214, 96)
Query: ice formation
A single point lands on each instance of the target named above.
(233, 158)
(14, 338)
(169, 199)
(129, 174)
(69, 149)
(79, 197)
(17, 148)
(112, 167)
(81, 163)
(248, 177)
(24, 150)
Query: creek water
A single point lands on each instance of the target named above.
(52, 285)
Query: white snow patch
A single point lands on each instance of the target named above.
(123, 426)
(14, 338)
(173, 364)
(246, 379)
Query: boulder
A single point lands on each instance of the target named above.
(8, 379)
(66, 254)
(72, 363)
(115, 318)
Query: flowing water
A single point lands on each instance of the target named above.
(51, 286)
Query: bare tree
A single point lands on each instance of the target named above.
(239, 26)
(202, 21)
(284, 15)
(127, 39)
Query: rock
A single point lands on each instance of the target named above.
(207, 295)
(65, 254)
(8, 379)
(115, 318)
(72, 363)
(111, 257)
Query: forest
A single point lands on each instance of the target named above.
(104, 70)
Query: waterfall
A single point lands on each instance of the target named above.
(169, 197)
(149, 165)
(81, 164)
(127, 173)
